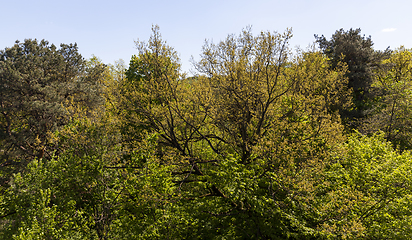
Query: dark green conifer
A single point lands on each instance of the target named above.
(357, 52)
(37, 82)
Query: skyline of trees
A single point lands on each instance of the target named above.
(262, 143)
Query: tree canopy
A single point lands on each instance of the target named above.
(357, 52)
(38, 82)
(253, 146)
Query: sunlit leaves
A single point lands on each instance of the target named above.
(370, 186)
(392, 111)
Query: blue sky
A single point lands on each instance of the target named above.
(107, 29)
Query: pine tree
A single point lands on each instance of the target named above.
(37, 82)
(357, 52)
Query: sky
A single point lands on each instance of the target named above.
(109, 29)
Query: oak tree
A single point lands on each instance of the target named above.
(242, 137)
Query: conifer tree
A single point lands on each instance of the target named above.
(37, 82)
(357, 52)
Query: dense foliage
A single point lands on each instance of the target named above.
(38, 83)
(252, 147)
(357, 53)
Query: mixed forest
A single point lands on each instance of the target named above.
(262, 142)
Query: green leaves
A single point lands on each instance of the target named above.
(369, 184)
(250, 148)
(38, 81)
(392, 112)
(357, 53)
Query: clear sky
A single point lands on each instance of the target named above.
(107, 29)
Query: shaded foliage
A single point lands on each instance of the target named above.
(37, 82)
(357, 52)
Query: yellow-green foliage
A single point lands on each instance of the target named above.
(392, 111)
(252, 147)
(368, 190)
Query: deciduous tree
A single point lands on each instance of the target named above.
(241, 138)
(392, 111)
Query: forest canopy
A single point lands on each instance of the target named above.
(263, 142)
